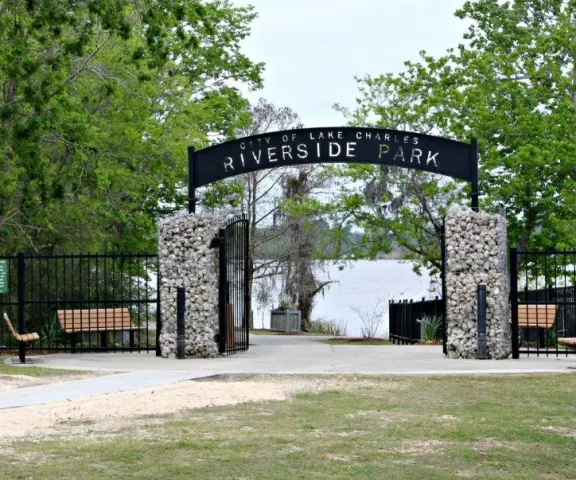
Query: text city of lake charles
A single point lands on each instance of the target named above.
(329, 145)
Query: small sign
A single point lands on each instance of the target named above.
(3, 276)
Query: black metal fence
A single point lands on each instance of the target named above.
(411, 322)
(543, 302)
(234, 294)
(81, 302)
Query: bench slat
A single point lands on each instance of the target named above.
(95, 313)
(102, 328)
(101, 321)
(79, 321)
(96, 319)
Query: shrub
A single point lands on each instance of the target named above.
(371, 319)
(51, 334)
(327, 327)
(551, 338)
(432, 327)
(285, 305)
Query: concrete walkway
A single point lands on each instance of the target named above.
(91, 387)
(267, 355)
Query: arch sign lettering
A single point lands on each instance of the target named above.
(333, 145)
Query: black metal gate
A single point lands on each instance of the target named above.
(543, 302)
(234, 294)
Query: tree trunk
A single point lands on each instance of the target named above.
(306, 304)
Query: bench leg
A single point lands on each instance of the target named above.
(131, 338)
(22, 352)
(104, 339)
(541, 338)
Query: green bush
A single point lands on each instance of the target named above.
(551, 339)
(285, 306)
(51, 334)
(432, 327)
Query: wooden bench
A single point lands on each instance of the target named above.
(541, 316)
(568, 341)
(537, 316)
(24, 337)
(101, 320)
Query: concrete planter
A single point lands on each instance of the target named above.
(286, 320)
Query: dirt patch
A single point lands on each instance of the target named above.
(420, 447)
(339, 458)
(466, 474)
(447, 417)
(484, 445)
(562, 431)
(109, 413)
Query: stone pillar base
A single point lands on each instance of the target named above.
(476, 252)
(186, 260)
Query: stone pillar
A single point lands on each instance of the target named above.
(476, 252)
(186, 260)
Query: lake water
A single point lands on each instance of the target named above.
(361, 285)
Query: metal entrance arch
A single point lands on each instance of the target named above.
(308, 146)
(376, 146)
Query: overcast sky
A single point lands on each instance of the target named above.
(313, 48)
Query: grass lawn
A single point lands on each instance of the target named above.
(32, 371)
(521, 427)
(356, 341)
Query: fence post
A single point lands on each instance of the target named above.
(222, 290)
(423, 313)
(481, 322)
(21, 310)
(514, 301)
(158, 311)
(410, 325)
(443, 278)
(180, 327)
(402, 327)
(390, 328)
(247, 292)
